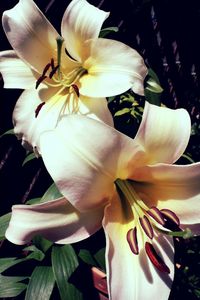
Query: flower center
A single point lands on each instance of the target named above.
(55, 75)
(147, 220)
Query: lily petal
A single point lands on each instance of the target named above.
(112, 67)
(84, 157)
(30, 34)
(56, 220)
(164, 133)
(81, 21)
(133, 276)
(174, 187)
(28, 126)
(16, 74)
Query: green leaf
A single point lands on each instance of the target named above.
(10, 286)
(153, 86)
(64, 263)
(29, 157)
(52, 193)
(100, 258)
(6, 263)
(10, 131)
(42, 243)
(122, 112)
(153, 89)
(86, 256)
(33, 201)
(105, 31)
(36, 254)
(41, 284)
(4, 221)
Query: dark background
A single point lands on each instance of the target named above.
(166, 33)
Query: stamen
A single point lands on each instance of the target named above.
(146, 226)
(132, 240)
(59, 41)
(39, 81)
(76, 89)
(52, 64)
(46, 69)
(156, 215)
(171, 215)
(38, 109)
(53, 71)
(156, 259)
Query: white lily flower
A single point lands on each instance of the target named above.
(131, 186)
(69, 74)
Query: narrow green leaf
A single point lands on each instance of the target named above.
(105, 31)
(10, 131)
(86, 256)
(36, 254)
(41, 284)
(52, 193)
(42, 243)
(100, 258)
(29, 157)
(4, 221)
(10, 286)
(6, 263)
(64, 263)
(123, 111)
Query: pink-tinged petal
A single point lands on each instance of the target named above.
(16, 74)
(40, 110)
(112, 67)
(81, 21)
(133, 276)
(172, 187)
(164, 133)
(84, 157)
(30, 34)
(56, 220)
(26, 126)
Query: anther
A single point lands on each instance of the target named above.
(156, 215)
(132, 240)
(46, 69)
(38, 109)
(146, 226)
(52, 64)
(53, 71)
(156, 259)
(39, 81)
(168, 214)
(76, 89)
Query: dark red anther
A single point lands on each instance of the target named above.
(156, 259)
(172, 222)
(146, 226)
(38, 109)
(76, 89)
(53, 71)
(46, 69)
(132, 240)
(156, 215)
(39, 81)
(52, 64)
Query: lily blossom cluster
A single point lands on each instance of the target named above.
(131, 187)
(64, 74)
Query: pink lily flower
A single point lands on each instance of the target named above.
(64, 74)
(130, 186)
